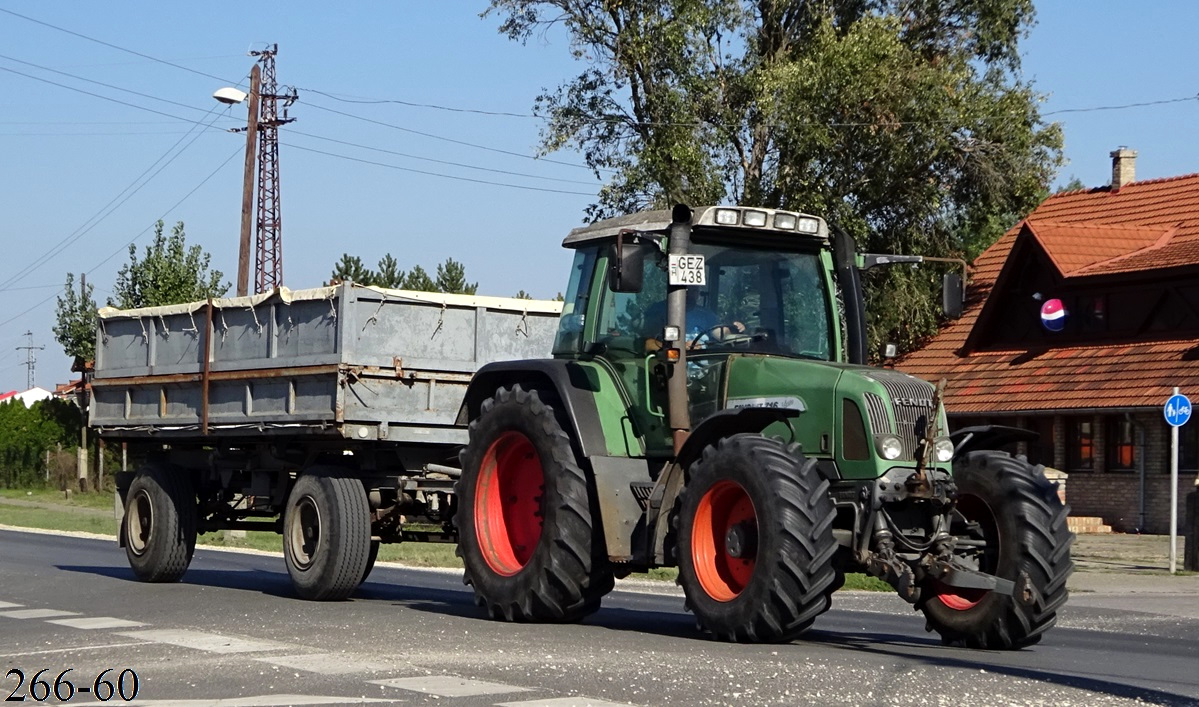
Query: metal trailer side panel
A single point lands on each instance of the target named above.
(389, 364)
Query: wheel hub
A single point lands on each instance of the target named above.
(304, 532)
(140, 523)
(742, 540)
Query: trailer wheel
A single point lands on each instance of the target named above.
(326, 535)
(526, 534)
(160, 524)
(371, 556)
(1011, 507)
(755, 541)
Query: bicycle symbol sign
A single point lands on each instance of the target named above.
(1178, 410)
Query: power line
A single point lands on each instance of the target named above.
(108, 209)
(125, 247)
(97, 95)
(437, 174)
(1123, 106)
(437, 161)
(446, 139)
(113, 46)
(376, 101)
(105, 85)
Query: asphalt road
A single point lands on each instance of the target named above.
(233, 634)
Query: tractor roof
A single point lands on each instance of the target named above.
(802, 225)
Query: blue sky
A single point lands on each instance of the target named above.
(67, 154)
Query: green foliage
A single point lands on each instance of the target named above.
(26, 434)
(451, 277)
(904, 122)
(1075, 184)
(169, 272)
(351, 269)
(523, 295)
(389, 273)
(75, 321)
(419, 280)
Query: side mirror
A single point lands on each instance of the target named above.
(626, 264)
(952, 295)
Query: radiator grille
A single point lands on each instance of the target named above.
(911, 398)
(876, 410)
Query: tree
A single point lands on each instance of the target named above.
(904, 122)
(523, 295)
(451, 277)
(1074, 184)
(351, 269)
(169, 272)
(75, 316)
(418, 279)
(389, 273)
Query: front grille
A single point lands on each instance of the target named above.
(912, 400)
(876, 410)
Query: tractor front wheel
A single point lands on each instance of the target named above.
(1012, 514)
(526, 535)
(755, 540)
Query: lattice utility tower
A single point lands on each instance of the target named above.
(30, 360)
(269, 251)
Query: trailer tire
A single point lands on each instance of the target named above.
(326, 535)
(755, 544)
(371, 557)
(1017, 512)
(159, 526)
(526, 534)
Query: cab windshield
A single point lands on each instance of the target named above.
(755, 300)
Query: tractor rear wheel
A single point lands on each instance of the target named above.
(755, 541)
(526, 532)
(1008, 506)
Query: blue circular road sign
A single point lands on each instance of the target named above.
(1178, 410)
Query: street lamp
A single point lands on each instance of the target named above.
(231, 96)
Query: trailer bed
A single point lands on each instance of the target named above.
(345, 361)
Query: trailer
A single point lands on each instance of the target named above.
(330, 415)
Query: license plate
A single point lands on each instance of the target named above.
(687, 270)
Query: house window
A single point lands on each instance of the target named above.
(1121, 444)
(1080, 443)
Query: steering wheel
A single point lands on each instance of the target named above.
(731, 339)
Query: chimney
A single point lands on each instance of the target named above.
(1124, 167)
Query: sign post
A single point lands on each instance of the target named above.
(1177, 411)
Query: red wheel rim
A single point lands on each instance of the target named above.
(722, 576)
(958, 598)
(508, 493)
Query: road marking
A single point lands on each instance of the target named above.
(37, 613)
(94, 622)
(211, 642)
(449, 686)
(327, 663)
(264, 701)
(9, 605)
(76, 648)
(579, 701)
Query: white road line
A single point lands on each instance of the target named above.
(51, 651)
(94, 622)
(9, 605)
(264, 701)
(37, 613)
(449, 686)
(211, 642)
(328, 663)
(579, 701)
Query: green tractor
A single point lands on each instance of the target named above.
(708, 406)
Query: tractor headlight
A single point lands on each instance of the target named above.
(889, 447)
(754, 218)
(943, 450)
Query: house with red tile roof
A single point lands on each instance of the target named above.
(1122, 260)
